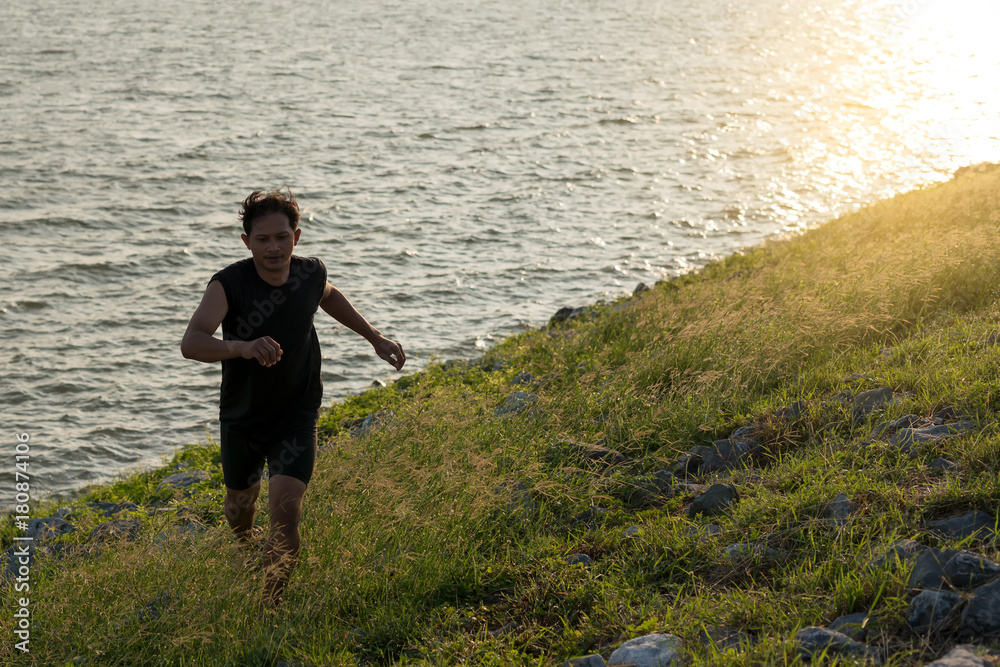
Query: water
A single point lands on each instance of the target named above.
(465, 168)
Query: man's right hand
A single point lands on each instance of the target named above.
(265, 350)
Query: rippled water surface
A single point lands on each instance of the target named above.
(466, 168)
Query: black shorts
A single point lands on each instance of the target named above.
(293, 453)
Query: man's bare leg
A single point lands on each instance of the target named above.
(282, 549)
(240, 507)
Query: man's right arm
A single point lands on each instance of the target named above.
(199, 342)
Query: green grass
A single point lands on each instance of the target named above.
(417, 551)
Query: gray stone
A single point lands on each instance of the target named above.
(523, 378)
(728, 454)
(717, 500)
(962, 656)
(705, 532)
(970, 570)
(942, 464)
(839, 509)
(982, 615)
(47, 528)
(654, 650)
(930, 610)
(565, 314)
(110, 509)
(579, 559)
(911, 436)
(928, 569)
(595, 660)
(868, 402)
(359, 428)
(725, 639)
(815, 642)
(899, 552)
(519, 501)
(752, 551)
(641, 287)
(516, 403)
(948, 414)
(597, 454)
(975, 523)
(181, 480)
(854, 625)
(125, 529)
(793, 411)
(688, 463)
(590, 514)
(630, 531)
(890, 427)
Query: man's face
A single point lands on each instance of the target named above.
(271, 241)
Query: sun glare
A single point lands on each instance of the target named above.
(955, 43)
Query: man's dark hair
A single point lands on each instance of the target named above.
(262, 202)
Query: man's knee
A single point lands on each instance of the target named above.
(242, 499)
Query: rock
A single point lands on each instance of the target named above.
(516, 403)
(909, 436)
(565, 314)
(752, 551)
(717, 500)
(814, 641)
(125, 529)
(725, 639)
(942, 464)
(654, 650)
(899, 552)
(578, 559)
(688, 463)
(979, 524)
(595, 660)
(868, 402)
(705, 532)
(963, 656)
(629, 532)
(590, 514)
(519, 501)
(523, 378)
(854, 626)
(597, 454)
(181, 480)
(982, 614)
(970, 570)
(888, 428)
(110, 509)
(928, 569)
(838, 509)
(48, 528)
(930, 610)
(792, 411)
(377, 384)
(641, 287)
(728, 454)
(948, 414)
(359, 428)
(506, 628)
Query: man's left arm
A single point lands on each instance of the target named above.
(339, 308)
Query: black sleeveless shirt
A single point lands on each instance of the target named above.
(260, 401)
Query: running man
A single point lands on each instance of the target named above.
(271, 389)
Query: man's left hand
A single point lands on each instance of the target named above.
(391, 351)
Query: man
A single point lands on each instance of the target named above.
(271, 389)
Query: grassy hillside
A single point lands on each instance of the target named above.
(440, 535)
